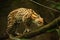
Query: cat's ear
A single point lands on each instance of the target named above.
(33, 16)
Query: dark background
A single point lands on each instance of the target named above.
(7, 6)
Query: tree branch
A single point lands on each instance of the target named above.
(43, 29)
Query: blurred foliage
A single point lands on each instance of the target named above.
(57, 5)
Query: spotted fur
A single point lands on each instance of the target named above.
(22, 15)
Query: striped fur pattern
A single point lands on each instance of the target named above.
(22, 15)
